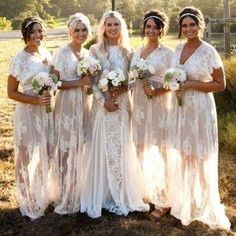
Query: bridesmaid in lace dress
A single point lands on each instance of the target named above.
(111, 177)
(149, 116)
(194, 161)
(32, 125)
(69, 118)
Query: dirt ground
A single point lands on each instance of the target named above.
(12, 223)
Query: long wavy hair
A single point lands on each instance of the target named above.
(103, 41)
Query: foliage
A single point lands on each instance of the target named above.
(90, 43)
(51, 23)
(226, 101)
(227, 132)
(132, 10)
(5, 24)
(226, 107)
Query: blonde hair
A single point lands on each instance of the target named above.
(75, 19)
(123, 42)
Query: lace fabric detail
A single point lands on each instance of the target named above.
(112, 172)
(199, 67)
(66, 173)
(150, 126)
(193, 152)
(33, 138)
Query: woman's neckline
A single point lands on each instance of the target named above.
(195, 51)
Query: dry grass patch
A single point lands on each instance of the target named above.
(12, 223)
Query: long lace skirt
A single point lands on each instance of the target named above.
(33, 140)
(112, 177)
(193, 162)
(66, 174)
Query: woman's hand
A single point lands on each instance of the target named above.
(85, 80)
(111, 106)
(118, 91)
(149, 90)
(44, 99)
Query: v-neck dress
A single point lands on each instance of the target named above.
(69, 116)
(194, 141)
(150, 126)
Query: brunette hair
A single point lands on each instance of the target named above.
(27, 26)
(160, 18)
(193, 13)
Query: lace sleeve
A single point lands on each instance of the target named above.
(214, 60)
(96, 91)
(57, 61)
(14, 69)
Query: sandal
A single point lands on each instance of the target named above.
(157, 214)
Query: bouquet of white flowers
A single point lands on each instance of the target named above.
(88, 66)
(45, 82)
(173, 77)
(112, 80)
(141, 71)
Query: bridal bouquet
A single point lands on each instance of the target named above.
(112, 80)
(89, 66)
(44, 82)
(173, 77)
(141, 71)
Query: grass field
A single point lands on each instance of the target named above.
(12, 223)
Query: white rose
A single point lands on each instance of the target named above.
(173, 86)
(115, 82)
(180, 74)
(103, 84)
(151, 70)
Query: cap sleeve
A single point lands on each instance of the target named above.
(14, 68)
(214, 60)
(57, 60)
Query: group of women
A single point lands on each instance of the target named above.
(119, 150)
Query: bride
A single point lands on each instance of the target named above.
(111, 175)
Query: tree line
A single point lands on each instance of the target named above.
(132, 10)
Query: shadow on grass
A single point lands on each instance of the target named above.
(7, 155)
(12, 223)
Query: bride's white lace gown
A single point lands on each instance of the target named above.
(150, 126)
(112, 172)
(33, 137)
(194, 157)
(69, 135)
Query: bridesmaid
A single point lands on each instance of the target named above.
(149, 116)
(111, 177)
(69, 118)
(194, 162)
(32, 125)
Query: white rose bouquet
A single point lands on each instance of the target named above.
(141, 71)
(45, 82)
(89, 66)
(173, 77)
(112, 80)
